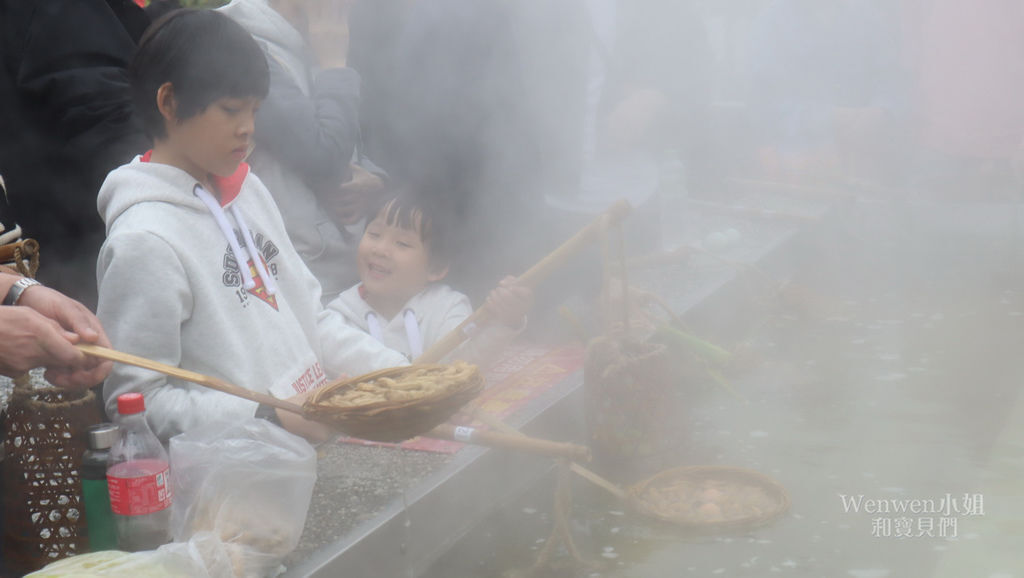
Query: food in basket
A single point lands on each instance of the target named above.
(416, 384)
(393, 405)
(709, 501)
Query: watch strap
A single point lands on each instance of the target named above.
(268, 413)
(19, 287)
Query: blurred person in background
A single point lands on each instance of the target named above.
(618, 93)
(521, 114)
(65, 121)
(829, 90)
(444, 108)
(972, 87)
(621, 85)
(307, 132)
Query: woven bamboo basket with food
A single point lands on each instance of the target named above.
(710, 497)
(398, 403)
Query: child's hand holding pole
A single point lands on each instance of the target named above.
(530, 278)
(509, 302)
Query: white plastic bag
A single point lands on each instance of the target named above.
(167, 562)
(241, 494)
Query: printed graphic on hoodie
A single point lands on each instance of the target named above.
(233, 277)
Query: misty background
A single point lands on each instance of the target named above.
(524, 115)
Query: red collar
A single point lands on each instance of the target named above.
(228, 188)
(362, 291)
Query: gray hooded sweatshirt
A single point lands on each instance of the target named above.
(173, 288)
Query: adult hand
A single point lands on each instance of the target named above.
(70, 314)
(79, 325)
(29, 339)
(328, 31)
(510, 301)
(354, 198)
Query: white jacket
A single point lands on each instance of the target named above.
(424, 319)
(171, 289)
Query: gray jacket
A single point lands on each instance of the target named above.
(306, 134)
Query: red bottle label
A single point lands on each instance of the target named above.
(139, 494)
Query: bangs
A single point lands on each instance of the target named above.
(406, 216)
(411, 212)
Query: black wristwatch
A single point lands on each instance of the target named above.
(268, 413)
(17, 289)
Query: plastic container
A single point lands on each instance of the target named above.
(138, 475)
(99, 519)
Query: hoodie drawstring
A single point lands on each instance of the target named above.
(412, 330)
(250, 243)
(241, 255)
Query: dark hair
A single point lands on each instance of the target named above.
(205, 56)
(408, 210)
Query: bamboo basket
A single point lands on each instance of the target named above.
(627, 391)
(680, 489)
(44, 441)
(399, 419)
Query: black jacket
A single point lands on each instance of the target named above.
(65, 121)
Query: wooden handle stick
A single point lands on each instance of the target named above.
(191, 376)
(512, 442)
(583, 472)
(531, 278)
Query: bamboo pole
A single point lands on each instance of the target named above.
(531, 278)
(581, 471)
(443, 431)
(512, 442)
(190, 376)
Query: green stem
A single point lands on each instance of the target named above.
(707, 350)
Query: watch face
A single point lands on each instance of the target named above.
(25, 283)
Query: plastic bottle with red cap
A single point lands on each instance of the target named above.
(138, 475)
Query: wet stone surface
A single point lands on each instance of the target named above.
(354, 484)
(897, 379)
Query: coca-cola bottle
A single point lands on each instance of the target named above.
(138, 475)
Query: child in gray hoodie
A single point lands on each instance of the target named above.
(197, 269)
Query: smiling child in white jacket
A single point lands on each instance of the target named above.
(402, 259)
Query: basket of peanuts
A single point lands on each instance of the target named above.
(713, 498)
(396, 404)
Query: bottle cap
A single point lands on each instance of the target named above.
(103, 436)
(129, 403)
